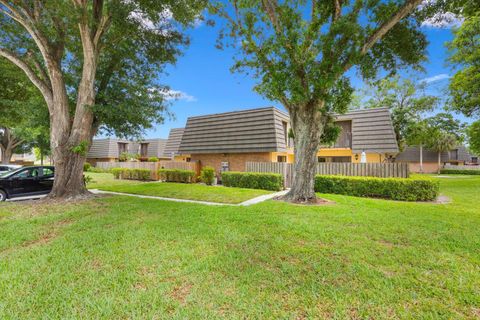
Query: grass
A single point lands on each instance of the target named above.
(105, 181)
(122, 257)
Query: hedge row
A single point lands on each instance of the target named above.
(177, 175)
(131, 174)
(460, 171)
(388, 188)
(253, 180)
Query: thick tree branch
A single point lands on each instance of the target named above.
(270, 7)
(337, 9)
(405, 10)
(27, 22)
(43, 86)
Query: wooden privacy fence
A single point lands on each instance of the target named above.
(383, 170)
(153, 166)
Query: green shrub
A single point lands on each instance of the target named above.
(405, 189)
(99, 170)
(132, 174)
(86, 166)
(207, 175)
(153, 159)
(461, 171)
(177, 175)
(253, 180)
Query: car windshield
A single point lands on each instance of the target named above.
(10, 173)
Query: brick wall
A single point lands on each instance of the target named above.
(236, 160)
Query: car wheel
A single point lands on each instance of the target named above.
(3, 195)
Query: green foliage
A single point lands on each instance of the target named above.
(207, 175)
(442, 141)
(460, 171)
(445, 122)
(24, 121)
(86, 167)
(153, 159)
(465, 53)
(132, 174)
(81, 148)
(473, 134)
(88, 179)
(177, 175)
(125, 156)
(299, 58)
(253, 180)
(99, 170)
(388, 188)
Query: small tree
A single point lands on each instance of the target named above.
(419, 134)
(300, 51)
(440, 142)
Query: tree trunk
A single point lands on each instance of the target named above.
(439, 161)
(7, 154)
(68, 134)
(421, 158)
(308, 127)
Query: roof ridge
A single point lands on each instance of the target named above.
(230, 112)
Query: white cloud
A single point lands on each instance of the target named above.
(438, 77)
(445, 20)
(163, 26)
(178, 95)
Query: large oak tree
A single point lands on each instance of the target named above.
(95, 63)
(300, 52)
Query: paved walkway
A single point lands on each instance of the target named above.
(245, 203)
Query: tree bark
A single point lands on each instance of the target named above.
(307, 125)
(65, 136)
(8, 144)
(439, 161)
(7, 154)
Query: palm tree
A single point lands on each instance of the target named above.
(419, 134)
(442, 142)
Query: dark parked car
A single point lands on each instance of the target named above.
(26, 181)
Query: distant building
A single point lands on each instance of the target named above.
(457, 156)
(110, 149)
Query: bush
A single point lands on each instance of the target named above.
(253, 180)
(461, 171)
(132, 174)
(207, 175)
(404, 189)
(153, 159)
(99, 170)
(177, 175)
(86, 166)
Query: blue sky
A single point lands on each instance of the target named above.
(203, 77)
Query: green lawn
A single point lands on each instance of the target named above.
(129, 258)
(105, 181)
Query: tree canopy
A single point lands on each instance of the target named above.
(465, 56)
